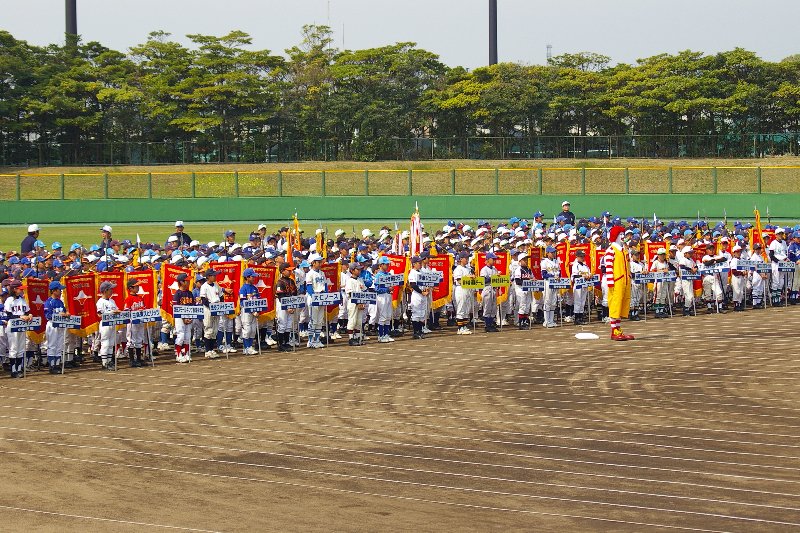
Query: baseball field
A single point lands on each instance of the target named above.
(694, 426)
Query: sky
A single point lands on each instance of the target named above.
(456, 30)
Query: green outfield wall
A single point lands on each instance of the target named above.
(464, 207)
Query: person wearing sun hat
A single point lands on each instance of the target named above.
(618, 279)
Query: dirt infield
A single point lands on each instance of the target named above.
(694, 426)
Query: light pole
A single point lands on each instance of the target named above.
(492, 32)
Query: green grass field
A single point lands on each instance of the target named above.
(392, 177)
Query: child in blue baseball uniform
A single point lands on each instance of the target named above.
(248, 291)
(53, 306)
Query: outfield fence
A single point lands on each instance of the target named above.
(402, 182)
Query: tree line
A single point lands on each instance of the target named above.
(238, 102)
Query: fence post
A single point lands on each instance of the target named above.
(410, 182)
(583, 180)
(366, 182)
(714, 177)
(497, 180)
(62, 186)
(236, 182)
(280, 183)
(149, 184)
(324, 185)
(540, 177)
(194, 185)
(669, 176)
(758, 178)
(105, 185)
(627, 180)
(19, 186)
(453, 181)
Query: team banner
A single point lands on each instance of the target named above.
(398, 264)
(230, 277)
(562, 253)
(36, 293)
(571, 255)
(443, 291)
(535, 262)
(650, 249)
(332, 272)
(148, 286)
(118, 279)
(81, 300)
(267, 277)
(502, 264)
(169, 284)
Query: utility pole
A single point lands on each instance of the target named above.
(492, 32)
(72, 18)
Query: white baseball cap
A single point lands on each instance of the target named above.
(33, 227)
(106, 228)
(661, 251)
(314, 257)
(737, 248)
(339, 232)
(194, 243)
(687, 250)
(366, 233)
(565, 202)
(179, 223)
(172, 238)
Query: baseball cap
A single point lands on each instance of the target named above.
(33, 227)
(565, 202)
(132, 283)
(107, 285)
(56, 285)
(314, 257)
(383, 260)
(249, 272)
(106, 228)
(490, 255)
(211, 272)
(550, 250)
(179, 223)
(183, 276)
(229, 233)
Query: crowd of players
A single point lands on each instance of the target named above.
(716, 251)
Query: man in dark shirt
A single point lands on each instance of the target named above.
(569, 217)
(28, 242)
(183, 238)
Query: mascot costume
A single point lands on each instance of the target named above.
(618, 279)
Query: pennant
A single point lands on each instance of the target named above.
(148, 286)
(415, 239)
(36, 292)
(398, 264)
(169, 284)
(650, 249)
(332, 272)
(81, 300)
(267, 277)
(502, 264)
(443, 292)
(535, 261)
(562, 253)
(757, 236)
(571, 256)
(117, 278)
(230, 277)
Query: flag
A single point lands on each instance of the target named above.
(322, 247)
(148, 287)
(230, 277)
(118, 279)
(502, 264)
(562, 253)
(397, 242)
(332, 272)
(650, 249)
(443, 292)
(267, 277)
(415, 242)
(36, 292)
(81, 300)
(398, 264)
(297, 245)
(169, 284)
(757, 236)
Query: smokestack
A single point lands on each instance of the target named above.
(492, 32)
(72, 17)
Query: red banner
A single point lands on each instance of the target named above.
(267, 277)
(443, 292)
(398, 264)
(230, 277)
(81, 300)
(562, 253)
(573, 249)
(148, 287)
(535, 262)
(169, 284)
(332, 273)
(650, 249)
(502, 264)
(36, 293)
(119, 292)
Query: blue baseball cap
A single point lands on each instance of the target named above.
(383, 260)
(304, 264)
(490, 255)
(550, 250)
(55, 246)
(537, 214)
(248, 272)
(55, 284)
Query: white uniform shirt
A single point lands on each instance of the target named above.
(779, 249)
(212, 293)
(106, 306)
(317, 280)
(16, 305)
(459, 272)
